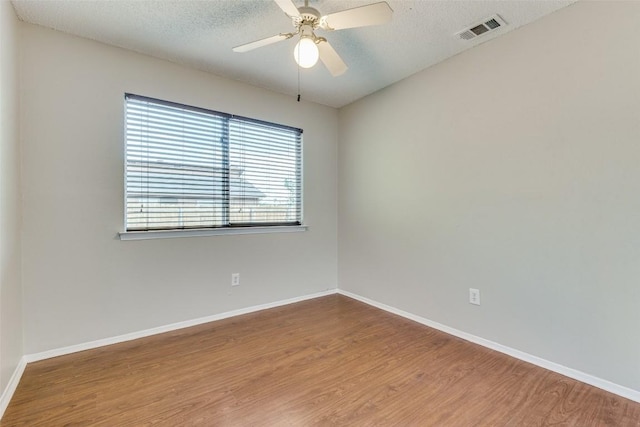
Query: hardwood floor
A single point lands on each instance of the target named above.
(328, 361)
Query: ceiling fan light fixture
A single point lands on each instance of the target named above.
(306, 52)
(307, 19)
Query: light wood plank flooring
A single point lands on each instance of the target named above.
(328, 361)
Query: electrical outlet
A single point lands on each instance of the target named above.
(235, 279)
(474, 296)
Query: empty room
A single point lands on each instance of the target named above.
(322, 212)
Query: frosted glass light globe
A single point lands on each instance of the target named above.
(306, 53)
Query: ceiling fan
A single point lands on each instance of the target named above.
(306, 20)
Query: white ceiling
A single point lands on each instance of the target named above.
(201, 34)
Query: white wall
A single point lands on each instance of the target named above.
(513, 168)
(82, 283)
(10, 274)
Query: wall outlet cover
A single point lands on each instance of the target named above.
(474, 296)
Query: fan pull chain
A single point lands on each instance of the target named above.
(298, 67)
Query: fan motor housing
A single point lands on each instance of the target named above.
(308, 16)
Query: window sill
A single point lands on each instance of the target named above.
(171, 234)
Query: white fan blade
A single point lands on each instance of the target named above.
(288, 7)
(373, 14)
(331, 59)
(263, 42)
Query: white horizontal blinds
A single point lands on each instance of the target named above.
(176, 174)
(265, 173)
(188, 167)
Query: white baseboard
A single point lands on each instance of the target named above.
(622, 391)
(7, 394)
(168, 328)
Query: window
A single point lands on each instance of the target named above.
(191, 168)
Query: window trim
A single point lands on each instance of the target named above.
(227, 229)
(203, 232)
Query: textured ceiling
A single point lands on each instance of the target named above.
(201, 34)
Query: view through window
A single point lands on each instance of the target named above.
(187, 167)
